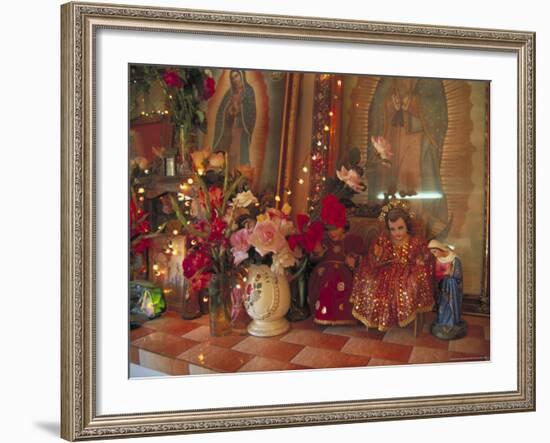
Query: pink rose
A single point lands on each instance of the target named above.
(240, 245)
(267, 238)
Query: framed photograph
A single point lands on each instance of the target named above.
(277, 221)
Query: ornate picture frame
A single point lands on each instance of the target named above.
(81, 376)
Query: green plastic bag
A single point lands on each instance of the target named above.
(146, 299)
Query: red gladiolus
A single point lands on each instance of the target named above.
(332, 211)
(172, 78)
(216, 229)
(215, 193)
(195, 262)
(209, 87)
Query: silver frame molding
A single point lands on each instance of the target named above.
(78, 397)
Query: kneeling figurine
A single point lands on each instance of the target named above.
(448, 274)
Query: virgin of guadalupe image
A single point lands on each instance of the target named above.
(235, 120)
(411, 116)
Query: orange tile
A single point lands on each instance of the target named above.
(469, 345)
(476, 331)
(215, 358)
(170, 325)
(165, 344)
(134, 355)
(428, 355)
(202, 334)
(268, 347)
(139, 332)
(479, 320)
(315, 339)
(268, 364)
(327, 358)
(377, 349)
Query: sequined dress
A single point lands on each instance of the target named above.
(331, 281)
(390, 290)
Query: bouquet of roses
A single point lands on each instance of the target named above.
(265, 240)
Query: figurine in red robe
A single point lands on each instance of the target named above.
(394, 281)
(331, 280)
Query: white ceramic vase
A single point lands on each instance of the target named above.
(267, 300)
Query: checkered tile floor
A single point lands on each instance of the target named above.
(175, 346)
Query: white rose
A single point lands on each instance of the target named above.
(282, 260)
(244, 199)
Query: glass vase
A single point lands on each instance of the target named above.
(219, 304)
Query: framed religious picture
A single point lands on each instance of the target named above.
(243, 212)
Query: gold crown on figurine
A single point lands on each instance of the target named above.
(392, 204)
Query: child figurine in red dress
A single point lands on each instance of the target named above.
(394, 282)
(331, 280)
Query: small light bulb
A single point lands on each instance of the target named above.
(155, 267)
(301, 181)
(175, 232)
(200, 171)
(141, 191)
(331, 113)
(238, 286)
(339, 82)
(205, 299)
(190, 181)
(245, 279)
(326, 128)
(304, 169)
(146, 171)
(289, 192)
(277, 198)
(319, 143)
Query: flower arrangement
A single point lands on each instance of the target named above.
(265, 239)
(185, 89)
(221, 198)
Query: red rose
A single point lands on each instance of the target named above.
(333, 212)
(172, 78)
(209, 87)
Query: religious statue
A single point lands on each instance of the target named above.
(331, 280)
(448, 275)
(394, 281)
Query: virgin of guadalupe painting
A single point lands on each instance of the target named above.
(235, 119)
(239, 120)
(411, 116)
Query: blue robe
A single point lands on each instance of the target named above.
(449, 324)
